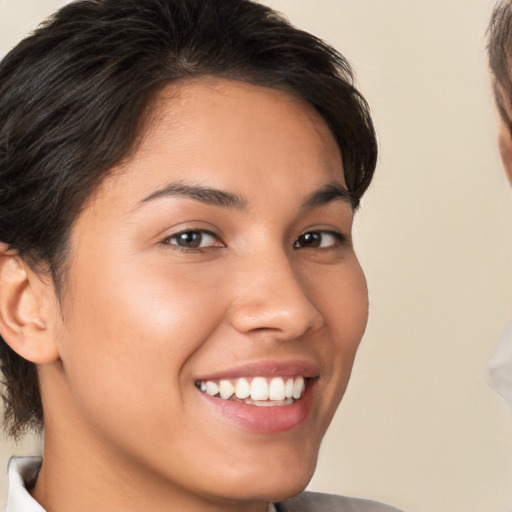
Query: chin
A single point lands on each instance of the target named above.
(273, 482)
(292, 485)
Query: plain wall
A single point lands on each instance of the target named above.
(419, 426)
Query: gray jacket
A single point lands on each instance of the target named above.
(316, 502)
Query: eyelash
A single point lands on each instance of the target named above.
(313, 237)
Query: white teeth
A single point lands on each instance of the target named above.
(242, 389)
(276, 389)
(288, 389)
(259, 389)
(271, 403)
(298, 387)
(226, 389)
(212, 388)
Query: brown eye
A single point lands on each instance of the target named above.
(193, 239)
(312, 239)
(318, 239)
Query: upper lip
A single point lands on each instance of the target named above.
(267, 368)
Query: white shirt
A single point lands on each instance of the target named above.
(25, 469)
(22, 469)
(499, 369)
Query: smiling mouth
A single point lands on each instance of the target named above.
(258, 391)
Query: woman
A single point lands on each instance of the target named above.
(499, 48)
(180, 301)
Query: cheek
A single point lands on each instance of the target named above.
(342, 297)
(131, 336)
(350, 318)
(505, 146)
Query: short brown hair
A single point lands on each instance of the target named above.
(499, 50)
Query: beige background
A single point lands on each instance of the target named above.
(419, 427)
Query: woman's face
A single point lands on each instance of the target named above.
(504, 134)
(505, 146)
(218, 257)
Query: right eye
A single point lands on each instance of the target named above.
(193, 239)
(321, 239)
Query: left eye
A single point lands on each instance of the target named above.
(318, 239)
(193, 239)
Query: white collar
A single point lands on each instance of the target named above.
(22, 469)
(499, 369)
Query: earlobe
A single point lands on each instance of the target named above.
(24, 322)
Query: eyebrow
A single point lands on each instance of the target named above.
(331, 192)
(210, 196)
(327, 194)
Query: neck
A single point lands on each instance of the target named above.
(83, 472)
(82, 482)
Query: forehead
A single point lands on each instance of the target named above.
(237, 111)
(232, 135)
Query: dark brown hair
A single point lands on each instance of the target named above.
(499, 50)
(74, 94)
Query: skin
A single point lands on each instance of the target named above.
(143, 318)
(505, 134)
(505, 146)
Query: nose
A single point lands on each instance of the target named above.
(271, 296)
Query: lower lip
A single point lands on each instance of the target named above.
(265, 420)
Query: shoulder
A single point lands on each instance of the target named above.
(318, 502)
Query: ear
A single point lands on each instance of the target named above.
(26, 304)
